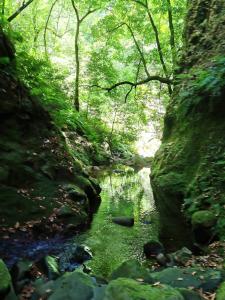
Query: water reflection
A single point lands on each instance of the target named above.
(124, 193)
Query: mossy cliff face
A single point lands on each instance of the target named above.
(39, 178)
(188, 170)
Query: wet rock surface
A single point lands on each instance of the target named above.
(123, 221)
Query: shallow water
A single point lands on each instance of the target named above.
(124, 193)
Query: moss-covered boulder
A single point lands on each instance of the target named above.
(207, 280)
(220, 293)
(5, 279)
(189, 294)
(132, 269)
(124, 289)
(75, 285)
(203, 218)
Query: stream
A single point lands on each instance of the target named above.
(125, 192)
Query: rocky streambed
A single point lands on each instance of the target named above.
(126, 261)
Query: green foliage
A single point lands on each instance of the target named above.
(203, 84)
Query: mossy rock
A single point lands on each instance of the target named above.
(132, 269)
(203, 218)
(124, 289)
(207, 279)
(50, 267)
(189, 294)
(220, 293)
(75, 285)
(5, 279)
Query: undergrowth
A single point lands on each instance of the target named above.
(46, 82)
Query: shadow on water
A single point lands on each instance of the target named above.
(124, 193)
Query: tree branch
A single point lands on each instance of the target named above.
(135, 84)
(158, 43)
(76, 11)
(128, 93)
(87, 14)
(141, 3)
(19, 10)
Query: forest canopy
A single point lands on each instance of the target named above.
(103, 65)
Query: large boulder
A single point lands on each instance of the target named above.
(124, 289)
(75, 285)
(132, 269)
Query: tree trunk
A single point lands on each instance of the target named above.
(77, 61)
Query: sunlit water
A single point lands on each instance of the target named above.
(124, 193)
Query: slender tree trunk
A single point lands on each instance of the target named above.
(159, 47)
(112, 130)
(19, 10)
(77, 78)
(46, 27)
(172, 34)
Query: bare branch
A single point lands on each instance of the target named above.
(19, 10)
(135, 84)
(57, 34)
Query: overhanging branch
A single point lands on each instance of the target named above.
(135, 84)
(19, 10)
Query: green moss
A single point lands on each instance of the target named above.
(203, 217)
(132, 269)
(220, 293)
(5, 278)
(123, 289)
